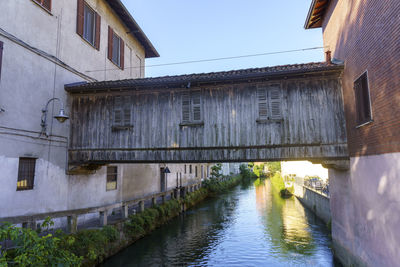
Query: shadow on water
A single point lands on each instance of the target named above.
(250, 226)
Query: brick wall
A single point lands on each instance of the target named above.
(365, 34)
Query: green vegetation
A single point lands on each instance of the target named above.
(91, 246)
(31, 249)
(279, 184)
(273, 167)
(259, 170)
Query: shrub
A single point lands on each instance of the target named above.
(30, 249)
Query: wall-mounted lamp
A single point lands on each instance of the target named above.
(61, 117)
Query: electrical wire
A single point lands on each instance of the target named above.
(217, 59)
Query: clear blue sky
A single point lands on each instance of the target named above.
(185, 30)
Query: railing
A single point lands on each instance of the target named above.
(315, 184)
(123, 208)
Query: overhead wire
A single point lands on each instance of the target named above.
(217, 59)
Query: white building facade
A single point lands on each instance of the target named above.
(44, 45)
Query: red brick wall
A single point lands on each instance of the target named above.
(365, 34)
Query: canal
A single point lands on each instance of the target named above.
(250, 226)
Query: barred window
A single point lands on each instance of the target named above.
(112, 175)
(26, 173)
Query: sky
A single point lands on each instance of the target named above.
(190, 30)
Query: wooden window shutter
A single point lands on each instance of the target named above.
(275, 103)
(47, 4)
(196, 105)
(262, 103)
(110, 42)
(185, 106)
(80, 17)
(122, 53)
(118, 110)
(97, 33)
(127, 111)
(1, 56)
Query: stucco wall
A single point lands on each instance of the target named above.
(365, 209)
(29, 79)
(55, 34)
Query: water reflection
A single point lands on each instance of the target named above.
(251, 226)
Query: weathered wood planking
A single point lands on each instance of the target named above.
(312, 125)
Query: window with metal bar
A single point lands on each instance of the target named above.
(26, 173)
(112, 175)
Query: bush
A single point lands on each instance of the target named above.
(273, 167)
(278, 183)
(30, 249)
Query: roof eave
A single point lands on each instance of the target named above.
(308, 23)
(310, 11)
(135, 29)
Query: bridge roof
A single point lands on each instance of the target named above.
(212, 77)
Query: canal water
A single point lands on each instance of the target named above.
(250, 226)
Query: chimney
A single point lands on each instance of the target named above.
(328, 57)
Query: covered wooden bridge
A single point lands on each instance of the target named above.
(287, 112)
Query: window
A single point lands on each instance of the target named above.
(191, 107)
(190, 168)
(115, 48)
(122, 113)
(88, 24)
(269, 103)
(202, 172)
(112, 174)
(363, 101)
(195, 171)
(185, 168)
(1, 56)
(44, 3)
(26, 173)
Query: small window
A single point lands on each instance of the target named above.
(115, 48)
(363, 102)
(46, 4)
(88, 24)
(26, 173)
(202, 172)
(195, 171)
(269, 103)
(185, 168)
(191, 107)
(112, 175)
(190, 168)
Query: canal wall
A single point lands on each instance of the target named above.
(314, 200)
